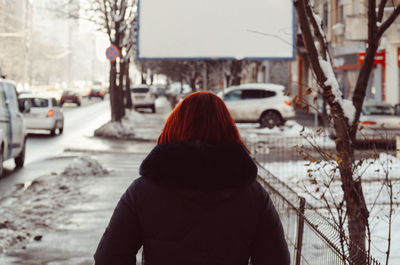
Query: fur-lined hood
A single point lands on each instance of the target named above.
(199, 166)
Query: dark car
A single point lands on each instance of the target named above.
(69, 96)
(96, 93)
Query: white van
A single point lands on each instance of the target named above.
(12, 130)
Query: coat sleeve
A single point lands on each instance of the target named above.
(122, 238)
(270, 247)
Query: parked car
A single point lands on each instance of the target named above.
(12, 127)
(262, 103)
(69, 96)
(142, 97)
(44, 114)
(96, 92)
(379, 122)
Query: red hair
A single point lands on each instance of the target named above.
(200, 116)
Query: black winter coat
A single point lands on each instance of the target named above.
(195, 204)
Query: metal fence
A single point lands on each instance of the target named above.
(311, 236)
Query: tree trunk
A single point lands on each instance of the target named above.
(193, 83)
(128, 97)
(353, 195)
(119, 95)
(112, 89)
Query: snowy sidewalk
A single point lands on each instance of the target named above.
(60, 217)
(64, 225)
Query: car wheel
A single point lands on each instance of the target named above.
(79, 104)
(61, 104)
(270, 119)
(60, 126)
(153, 109)
(53, 132)
(20, 159)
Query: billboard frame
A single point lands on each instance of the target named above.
(293, 57)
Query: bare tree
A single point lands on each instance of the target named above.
(345, 114)
(118, 19)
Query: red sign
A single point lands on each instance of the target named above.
(378, 59)
(398, 57)
(112, 53)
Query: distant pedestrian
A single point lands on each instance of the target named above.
(197, 200)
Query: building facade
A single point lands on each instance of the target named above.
(345, 23)
(15, 39)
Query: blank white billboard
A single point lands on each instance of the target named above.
(222, 29)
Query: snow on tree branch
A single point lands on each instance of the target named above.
(327, 69)
(347, 105)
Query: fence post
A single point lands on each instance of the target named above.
(300, 230)
(398, 147)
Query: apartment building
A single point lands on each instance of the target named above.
(345, 23)
(15, 38)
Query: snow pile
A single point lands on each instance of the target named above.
(136, 126)
(124, 129)
(39, 206)
(84, 166)
(162, 103)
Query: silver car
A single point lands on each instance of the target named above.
(379, 122)
(143, 97)
(44, 114)
(262, 103)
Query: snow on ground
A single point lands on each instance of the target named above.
(126, 128)
(84, 166)
(36, 207)
(120, 130)
(162, 103)
(309, 180)
(307, 136)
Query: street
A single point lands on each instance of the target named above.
(80, 122)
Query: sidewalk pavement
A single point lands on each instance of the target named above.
(74, 242)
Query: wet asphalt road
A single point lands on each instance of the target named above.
(79, 122)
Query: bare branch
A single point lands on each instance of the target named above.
(381, 9)
(317, 32)
(107, 23)
(309, 41)
(385, 25)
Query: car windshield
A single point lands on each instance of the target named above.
(39, 102)
(378, 110)
(140, 89)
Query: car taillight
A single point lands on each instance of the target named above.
(368, 122)
(50, 113)
(287, 102)
(101, 94)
